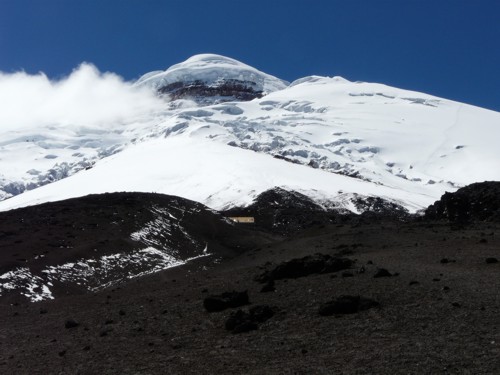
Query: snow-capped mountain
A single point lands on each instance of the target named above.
(229, 132)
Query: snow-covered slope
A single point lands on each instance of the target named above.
(325, 137)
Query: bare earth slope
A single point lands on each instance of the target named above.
(437, 313)
(87, 244)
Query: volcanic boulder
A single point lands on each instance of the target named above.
(242, 321)
(347, 305)
(312, 264)
(382, 272)
(226, 300)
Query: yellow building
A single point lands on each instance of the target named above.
(243, 219)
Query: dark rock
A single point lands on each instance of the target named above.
(475, 202)
(374, 208)
(268, 287)
(347, 305)
(456, 304)
(62, 353)
(261, 313)
(491, 260)
(245, 327)
(43, 311)
(222, 91)
(347, 274)
(242, 321)
(236, 318)
(382, 272)
(414, 283)
(312, 264)
(121, 312)
(225, 300)
(447, 260)
(70, 323)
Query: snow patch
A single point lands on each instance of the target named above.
(93, 274)
(159, 232)
(31, 286)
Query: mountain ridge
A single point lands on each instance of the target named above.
(328, 138)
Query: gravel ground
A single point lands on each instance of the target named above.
(438, 313)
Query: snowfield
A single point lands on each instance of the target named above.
(328, 138)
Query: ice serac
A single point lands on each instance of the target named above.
(210, 79)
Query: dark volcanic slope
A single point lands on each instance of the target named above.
(86, 243)
(384, 297)
(281, 211)
(439, 315)
(286, 212)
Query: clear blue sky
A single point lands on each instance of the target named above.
(448, 48)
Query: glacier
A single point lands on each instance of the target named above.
(326, 137)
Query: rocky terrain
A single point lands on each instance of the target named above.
(476, 202)
(229, 90)
(86, 244)
(379, 293)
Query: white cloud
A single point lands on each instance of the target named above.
(86, 97)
